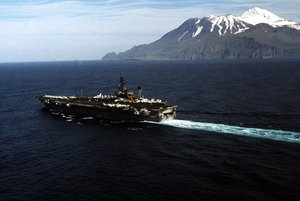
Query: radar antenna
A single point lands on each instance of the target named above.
(139, 88)
(122, 83)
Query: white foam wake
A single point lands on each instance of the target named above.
(281, 135)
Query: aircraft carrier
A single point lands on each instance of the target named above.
(123, 106)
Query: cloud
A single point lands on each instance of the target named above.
(63, 30)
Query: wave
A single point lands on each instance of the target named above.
(280, 135)
(255, 114)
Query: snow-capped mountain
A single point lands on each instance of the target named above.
(257, 33)
(230, 24)
(256, 16)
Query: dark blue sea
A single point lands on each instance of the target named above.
(236, 137)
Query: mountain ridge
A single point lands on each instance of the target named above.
(257, 33)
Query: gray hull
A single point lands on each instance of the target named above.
(109, 109)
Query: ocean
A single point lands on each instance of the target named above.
(236, 136)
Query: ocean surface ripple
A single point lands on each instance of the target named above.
(248, 151)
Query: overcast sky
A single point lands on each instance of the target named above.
(51, 30)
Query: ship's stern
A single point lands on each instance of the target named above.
(167, 113)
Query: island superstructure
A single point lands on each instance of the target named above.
(123, 106)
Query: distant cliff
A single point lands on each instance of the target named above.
(258, 33)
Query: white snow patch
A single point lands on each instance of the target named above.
(199, 29)
(214, 21)
(241, 30)
(227, 25)
(219, 25)
(256, 16)
(182, 35)
(232, 24)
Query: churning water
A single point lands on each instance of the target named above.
(288, 136)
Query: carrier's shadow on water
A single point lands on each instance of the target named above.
(93, 121)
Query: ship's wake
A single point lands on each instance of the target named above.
(280, 135)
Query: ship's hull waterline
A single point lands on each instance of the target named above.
(109, 109)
